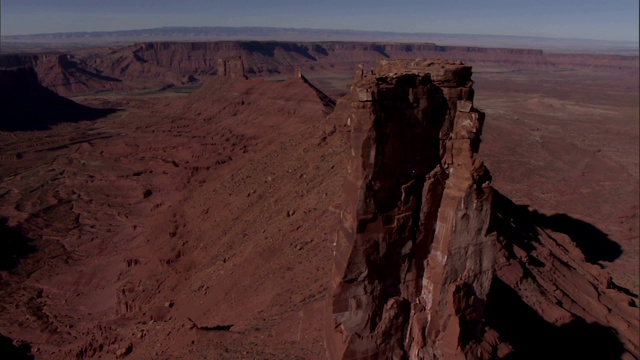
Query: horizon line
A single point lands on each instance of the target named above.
(628, 42)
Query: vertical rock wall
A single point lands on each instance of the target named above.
(231, 68)
(413, 258)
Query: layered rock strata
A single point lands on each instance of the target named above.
(157, 64)
(233, 68)
(413, 255)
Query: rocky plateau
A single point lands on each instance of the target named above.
(153, 65)
(256, 200)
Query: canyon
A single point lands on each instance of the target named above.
(157, 65)
(248, 199)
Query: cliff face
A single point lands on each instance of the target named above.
(428, 256)
(414, 230)
(267, 57)
(157, 64)
(231, 68)
(65, 73)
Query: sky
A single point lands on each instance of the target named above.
(579, 19)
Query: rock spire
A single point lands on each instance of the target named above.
(413, 255)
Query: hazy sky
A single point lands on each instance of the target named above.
(585, 19)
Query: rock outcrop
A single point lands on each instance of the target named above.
(231, 68)
(414, 234)
(65, 73)
(428, 255)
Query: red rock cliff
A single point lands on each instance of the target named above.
(430, 261)
(414, 233)
(157, 64)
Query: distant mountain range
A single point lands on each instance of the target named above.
(81, 39)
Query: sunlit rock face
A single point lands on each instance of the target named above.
(413, 255)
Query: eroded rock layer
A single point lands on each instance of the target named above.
(425, 242)
(152, 65)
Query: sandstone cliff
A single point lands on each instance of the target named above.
(65, 73)
(157, 64)
(231, 68)
(430, 261)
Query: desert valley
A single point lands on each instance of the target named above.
(313, 200)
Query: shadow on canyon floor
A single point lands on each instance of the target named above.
(594, 244)
(37, 118)
(532, 337)
(10, 350)
(14, 246)
(26, 105)
(520, 226)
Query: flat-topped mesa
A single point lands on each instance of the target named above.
(233, 68)
(413, 259)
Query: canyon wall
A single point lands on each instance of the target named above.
(158, 64)
(233, 68)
